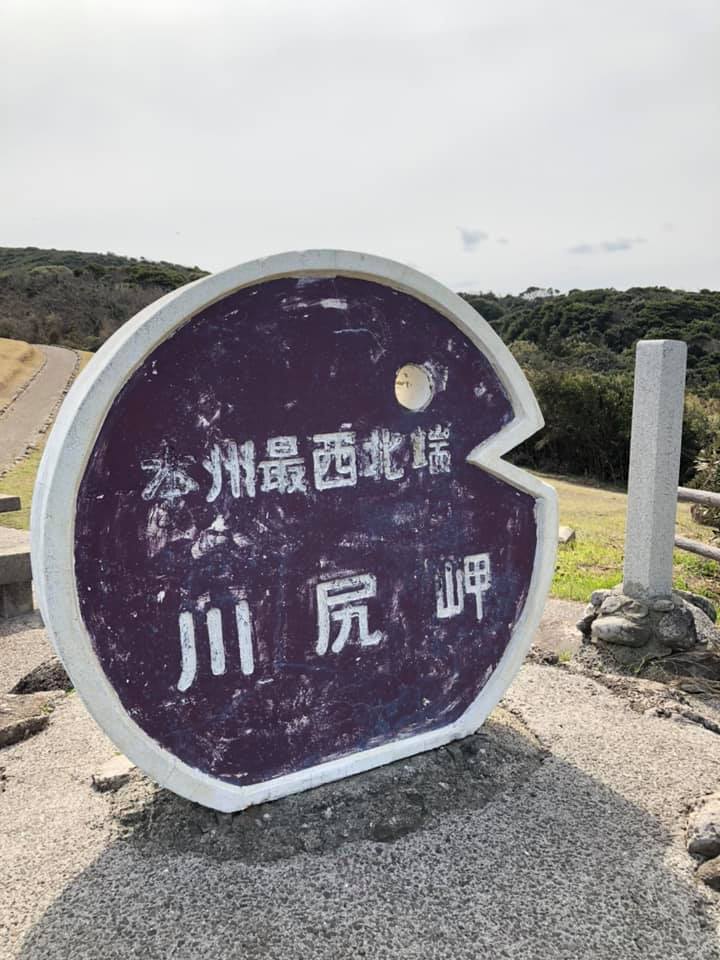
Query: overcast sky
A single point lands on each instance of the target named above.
(494, 144)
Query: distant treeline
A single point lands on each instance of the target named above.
(577, 349)
(596, 330)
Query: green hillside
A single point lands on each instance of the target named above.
(596, 330)
(78, 299)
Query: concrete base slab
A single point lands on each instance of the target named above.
(16, 599)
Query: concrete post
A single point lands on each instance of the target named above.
(658, 401)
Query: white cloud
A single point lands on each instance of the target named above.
(471, 238)
(607, 246)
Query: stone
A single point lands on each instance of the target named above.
(23, 716)
(658, 403)
(697, 601)
(662, 605)
(709, 873)
(566, 535)
(705, 630)
(636, 610)
(113, 774)
(703, 830)
(612, 604)
(677, 629)
(585, 622)
(618, 630)
(598, 596)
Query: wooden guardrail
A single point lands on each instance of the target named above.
(706, 499)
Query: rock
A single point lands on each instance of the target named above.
(636, 610)
(21, 716)
(662, 605)
(697, 601)
(705, 630)
(703, 830)
(566, 535)
(50, 675)
(618, 630)
(113, 774)
(585, 622)
(612, 604)
(598, 596)
(709, 873)
(627, 606)
(677, 629)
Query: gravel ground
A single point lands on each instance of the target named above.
(583, 856)
(557, 629)
(23, 645)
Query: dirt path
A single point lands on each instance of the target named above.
(21, 423)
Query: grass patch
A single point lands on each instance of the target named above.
(18, 362)
(595, 561)
(19, 482)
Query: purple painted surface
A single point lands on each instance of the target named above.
(297, 358)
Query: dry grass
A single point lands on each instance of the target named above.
(18, 362)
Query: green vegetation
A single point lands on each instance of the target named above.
(588, 418)
(596, 330)
(19, 482)
(78, 299)
(578, 352)
(595, 560)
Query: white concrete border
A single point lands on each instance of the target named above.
(71, 443)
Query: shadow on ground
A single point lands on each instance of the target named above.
(487, 848)
(381, 805)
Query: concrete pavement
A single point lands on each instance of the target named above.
(582, 855)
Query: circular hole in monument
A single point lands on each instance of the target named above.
(413, 387)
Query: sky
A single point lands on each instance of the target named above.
(493, 144)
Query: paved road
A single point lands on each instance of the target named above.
(22, 421)
(583, 860)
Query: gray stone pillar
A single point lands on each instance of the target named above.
(658, 401)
